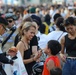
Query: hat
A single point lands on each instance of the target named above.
(32, 10)
(11, 15)
(36, 19)
(3, 21)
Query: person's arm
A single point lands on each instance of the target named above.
(34, 45)
(63, 57)
(50, 65)
(4, 59)
(21, 48)
(62, 45)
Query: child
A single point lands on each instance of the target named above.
(56, 71)
(53, 48)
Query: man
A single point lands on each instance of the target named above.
(3, 58)
(10, 17)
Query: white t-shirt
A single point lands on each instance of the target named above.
(54, 35)
(41, 39)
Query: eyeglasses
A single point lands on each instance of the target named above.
(10, 21)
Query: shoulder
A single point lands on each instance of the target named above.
(52, 34)
(20, 44)
(63, 39)
(50, 61)
(50, 64)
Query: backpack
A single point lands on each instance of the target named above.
(47, 27)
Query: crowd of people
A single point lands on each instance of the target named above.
(42, 38)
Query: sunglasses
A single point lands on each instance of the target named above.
(10, 21)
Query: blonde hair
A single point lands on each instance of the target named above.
(26, 26)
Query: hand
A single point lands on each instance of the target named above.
(12, 53)
(40, 53)
(63, 57)
(37, 56)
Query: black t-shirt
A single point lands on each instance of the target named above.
(34, 42)
(70, 45)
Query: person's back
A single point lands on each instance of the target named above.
(56, 61)
(47, 23)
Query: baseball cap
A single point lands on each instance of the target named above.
(11, 15)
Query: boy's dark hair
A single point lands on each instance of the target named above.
(56, 71)
(54, 46)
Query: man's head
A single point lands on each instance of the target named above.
(3, 24)
(10, 17)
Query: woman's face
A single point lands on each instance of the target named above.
(30, 33)
(71, 29)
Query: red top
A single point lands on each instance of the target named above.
(56, 62)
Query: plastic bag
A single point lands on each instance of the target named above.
(17, 68)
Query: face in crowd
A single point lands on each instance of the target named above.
(29, 30)
(10, 22)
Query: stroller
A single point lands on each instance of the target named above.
(38, 68)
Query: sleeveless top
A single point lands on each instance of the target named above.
(56, 62)
(27, 55)
(70, 45)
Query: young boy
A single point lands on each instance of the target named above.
(52, 49)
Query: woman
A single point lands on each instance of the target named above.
(27, 32)
(59, 32)
(33, 42)
(69, 42)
